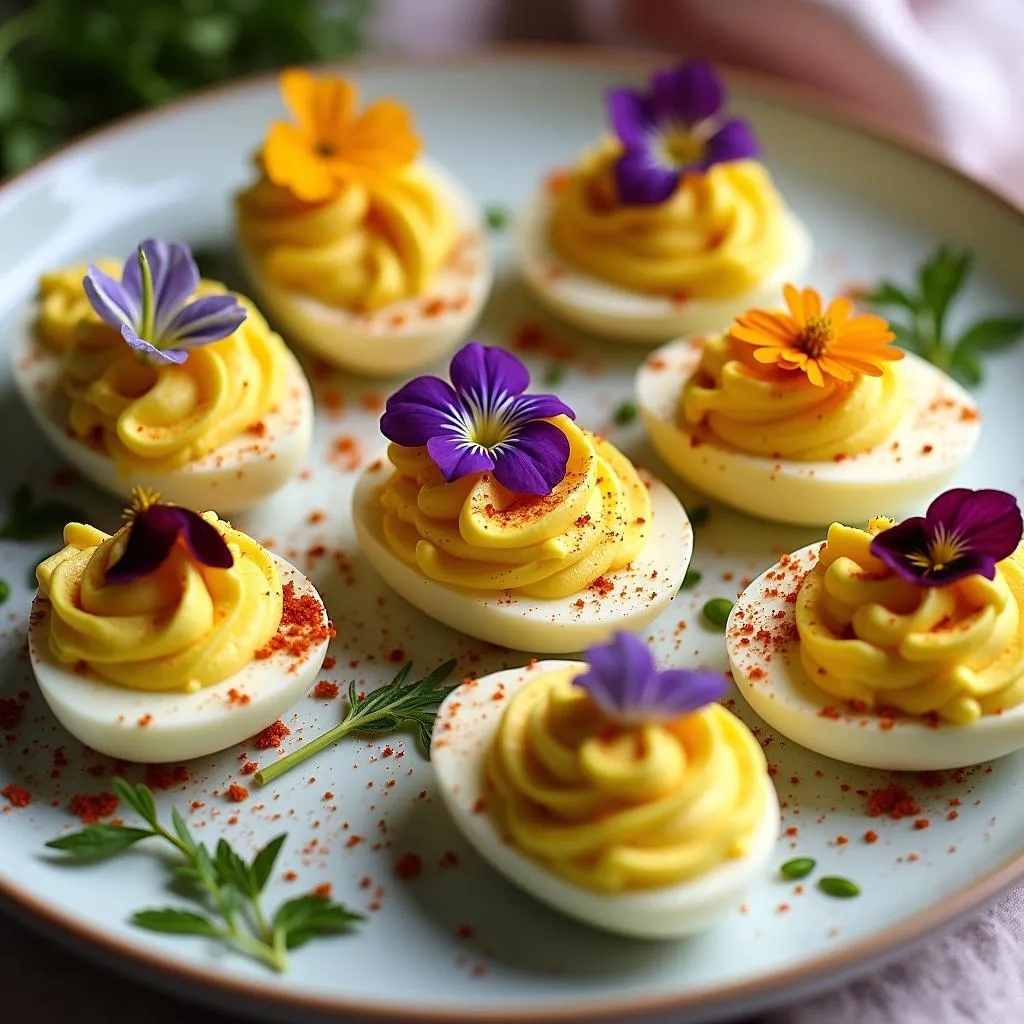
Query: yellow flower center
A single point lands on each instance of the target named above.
(945, 547)
(142, 499)
(326, 149)
(681, 147)
(815, 336)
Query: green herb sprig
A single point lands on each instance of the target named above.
(227, 888)
(397, 705)
(922, 327)
(28, 519)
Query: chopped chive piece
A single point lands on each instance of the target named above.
(497, 217)
(833, 885)
(716, 611)
(691, 579)
(799, 867)
(5, 589)
(698, 514)
(626, 413)
(555, 374)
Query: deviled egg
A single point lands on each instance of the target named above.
(898, 647)
(367, 256)
(808, 416)
(672, 226)
(174, 638)
(495, 514)
(163, 380)
(617, 794)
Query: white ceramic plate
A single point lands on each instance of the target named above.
(499, 124)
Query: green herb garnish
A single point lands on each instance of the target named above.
(227, 888)
(716, 611)
(833, 885)
(5, 590)
(626, 412)
(392, 707)
(690, 579)
(923, 314)
(555, 374)
(31, 520)
(799, 867)
(497, 217)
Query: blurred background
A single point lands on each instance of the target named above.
(943, 73)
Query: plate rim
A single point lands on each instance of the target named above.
(766, 988)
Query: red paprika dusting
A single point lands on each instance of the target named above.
(386, 752)
(841, 840)
(250, 768)
(871, 836)
(272, 736)
(90, 808)
(326, 690)
(17, 796)
(409, 866)
(236, 793)
(164, 776)
(465, 931)
(235, 697)
(145, 720)
(289, 876)
(302, 626)
(323, 889)
(354, 841)
(11, 713)
(894, 800)
(921, 823)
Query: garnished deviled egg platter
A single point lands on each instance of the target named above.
(459, 924)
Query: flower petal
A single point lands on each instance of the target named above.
(533, 460)
(202, 539)
(298, 87)
(381, 139)
(152, 354)
(175, 277)
(683, 690)
(209, 318)
(113, 303)
(640, 182)
(987, 521)
(733, 141)
(482, 371)
(894, 545)
(618, 673)
(456, 457)
(814, 374)
(795, 300)
(426, 407)
(290, 162)
(539, 407)
(631, 114)
(689, 94)
(835, 368)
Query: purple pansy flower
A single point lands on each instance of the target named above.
(963, 533)
(483, 422)
(151, 304)
(674, 128)
(625, 683)
(154, 528)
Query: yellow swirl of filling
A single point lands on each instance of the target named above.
(156, 419)
(475, 533)
(621, 809)
(366, 248)
(867, 635)
(718, 235)
(181, 627)
(762, 410)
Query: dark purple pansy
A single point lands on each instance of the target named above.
(963, 533)
(674, 128)
(152, 304)
(483, 422)
(625, 683)
(152, 532)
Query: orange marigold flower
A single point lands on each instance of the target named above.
(831, 344)
(329, 144)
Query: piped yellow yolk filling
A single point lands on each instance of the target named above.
(761, 410)
(158, 418)
(622, 809)
(718, 235)
(867, 635)
(474, 533)
(181, 627)
(366, 248)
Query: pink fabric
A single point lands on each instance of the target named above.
(947, 72)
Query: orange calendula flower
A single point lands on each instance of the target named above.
(329, 143)
(833, 343)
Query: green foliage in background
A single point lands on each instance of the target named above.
(68, 65)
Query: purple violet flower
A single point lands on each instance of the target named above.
(625, 683)
(674, 128)
(483, 422)
(150, 304)
(963, 533)
(154, 528)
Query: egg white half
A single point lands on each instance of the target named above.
(602, 308)
(179, 726)
(901, 475)
(233, 477)
(543, 625)
(370, 343)
(462, 738)
(773, 682)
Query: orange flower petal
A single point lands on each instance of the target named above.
(795, 300)
(780, 324)
(297, 86)
(839, 310)
(382, 138)
(290, 163)
(814, 374)
(753, 336)
(767, 355)
(836, 368)
(812, 303)
(333, 107)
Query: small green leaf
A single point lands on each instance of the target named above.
(833, 885)
(97, 841)
(264, 861)
(717, 610)
(232, 870)
(940, 279)
(298, 920)
(5, 590)
(966, 368)
(799, 867)
(181, 830)
(555, 374)
(497, 217)
(140, 798)
(990, 335)
(691, 578)
(626, 412)
(175, 922)
(889, 294)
